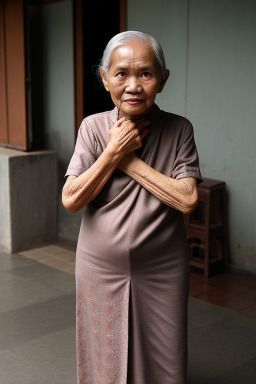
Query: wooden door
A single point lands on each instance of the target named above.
(13, 130)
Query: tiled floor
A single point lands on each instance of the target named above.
(60, 256)
(235, 290)
(37, 323)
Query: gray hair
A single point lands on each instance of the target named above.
(124, 37)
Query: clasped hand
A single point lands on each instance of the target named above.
(126, 136)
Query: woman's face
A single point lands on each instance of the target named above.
(133, 80)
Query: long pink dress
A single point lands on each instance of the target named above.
(132, 262)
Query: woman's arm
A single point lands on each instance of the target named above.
(180, 194)
(125, 136)
(79, 191)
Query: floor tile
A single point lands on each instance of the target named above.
(251, 311)
(221, 346)
(48, 359)
(201, 313)
(10, 261)
(236, 288)
(251, 294)
(214, 296)
(197, 276)
(46, 275)
(53, 256)
(19, 292)
(226, 278)
(242, 374)
(195, 290)
(249, 281)
(203, 286)
(32, 321)
(235, 303)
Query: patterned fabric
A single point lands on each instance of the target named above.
(132, 262)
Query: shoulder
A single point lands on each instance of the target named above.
(177, 127)
(94, 129)
(176, 120)
(99, 120)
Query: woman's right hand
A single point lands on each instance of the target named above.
(126, 136)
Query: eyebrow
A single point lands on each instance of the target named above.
(125, 67)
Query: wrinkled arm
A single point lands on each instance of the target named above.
(125, 137)
(79, 191)
(179, 194)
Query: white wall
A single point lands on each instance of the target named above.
(211, 52)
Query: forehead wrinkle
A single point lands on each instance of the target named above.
(143, 67)
(128, 54)
(133, 56)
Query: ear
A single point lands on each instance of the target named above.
(104, 79)
(163, 80)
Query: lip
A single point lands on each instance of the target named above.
(133, 101)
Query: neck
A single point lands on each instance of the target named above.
(135, 117)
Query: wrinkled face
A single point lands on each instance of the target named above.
(133, 80)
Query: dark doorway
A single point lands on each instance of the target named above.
(101, 21)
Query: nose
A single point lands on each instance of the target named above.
(133, 85)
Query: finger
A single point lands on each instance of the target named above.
(120, 122)
(128, 126)
(127, 135)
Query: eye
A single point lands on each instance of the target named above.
(146, 75)
(120, 75)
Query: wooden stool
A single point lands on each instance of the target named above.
(207, 228)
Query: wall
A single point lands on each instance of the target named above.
(58, 76)
(210, 50)
(58, 95)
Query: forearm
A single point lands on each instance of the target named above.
(179, 194)
(81, 190)
(125, 137)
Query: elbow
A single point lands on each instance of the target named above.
(188, 209)
(69, 204)
(190, 205)
(69, 207)
(70, 198)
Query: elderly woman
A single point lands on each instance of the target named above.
(135, 170)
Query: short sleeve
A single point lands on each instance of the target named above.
(85, 153)
(186, 163)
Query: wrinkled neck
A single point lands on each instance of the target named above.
(147, 114)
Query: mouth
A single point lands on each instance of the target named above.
(133, 101)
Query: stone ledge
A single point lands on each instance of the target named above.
(28, 199)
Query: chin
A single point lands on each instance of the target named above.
(134, 111)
